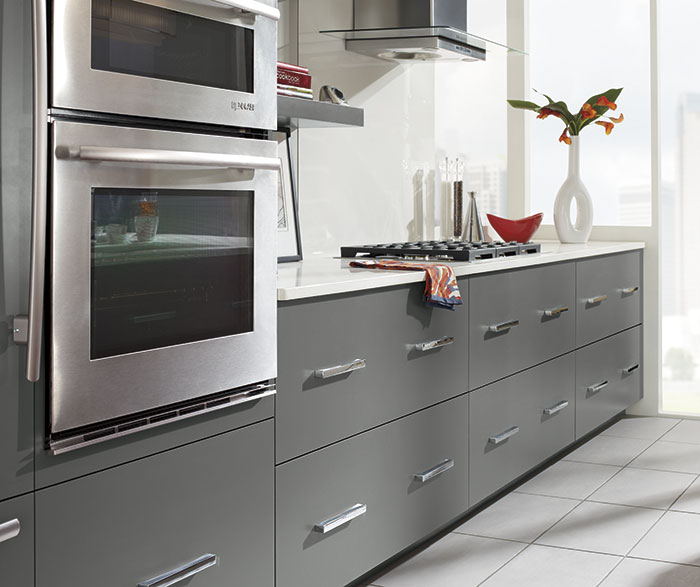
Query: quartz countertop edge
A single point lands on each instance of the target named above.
(322, 276)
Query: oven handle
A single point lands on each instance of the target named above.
(253, 7)
(28, 329)
(125, 155)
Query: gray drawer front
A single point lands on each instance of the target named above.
(375, 469)
(518, 401)
(607, 360)
(523, 295)
(381, 327)
(17, 554)
(132, 523)
(608, 276)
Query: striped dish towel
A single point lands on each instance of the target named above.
(441, 289)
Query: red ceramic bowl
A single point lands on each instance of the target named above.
(516, 230)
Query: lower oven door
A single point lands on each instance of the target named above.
(163, 269)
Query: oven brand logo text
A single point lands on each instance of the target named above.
(236, 106)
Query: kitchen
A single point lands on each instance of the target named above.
(154, 451)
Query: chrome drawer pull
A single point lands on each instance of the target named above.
(503, 326)
(253, 7)
(355, 511)
(433, 472)
(555, 408)
(9, 530)
(504, 435)
(596, 387)
(181, 573)
(340, 369)
(556, 311)
(597, 299)
(631, 369)
(630, 290)
(435, 344)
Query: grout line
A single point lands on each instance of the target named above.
(658, 560)
(670, 508)
(559, 520)
(610, 572)
(517, 554)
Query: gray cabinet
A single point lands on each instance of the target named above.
(609, 295)
(16, 401)
(132, 523)
(17, 542)
(384, 329)
(608, 379)
(394, 473)
(519, 319)
(517, 423)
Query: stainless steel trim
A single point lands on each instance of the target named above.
(596, 387)
(631, 369)
(556, 311)
(597, 299)
(340, 369)
(355, 511)
(505, 435)
(630, 290)
(72, 443)
(555, 408)
(39, 196)
(151, 156)
(9, 530)
(433, 472)
(257, 8)
(503, 326)
(181, 573)
(434, 344)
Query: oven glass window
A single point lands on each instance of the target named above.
(169, 267)
(141, 39)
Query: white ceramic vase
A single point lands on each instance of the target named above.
(573, 189)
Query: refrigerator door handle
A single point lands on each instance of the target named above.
(28, 330)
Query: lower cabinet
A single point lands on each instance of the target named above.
(165, 514)
(17, 542)
(608, 379)
(346, 508)
(517, 423)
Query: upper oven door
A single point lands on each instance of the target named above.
(193, 60)
(163, 269)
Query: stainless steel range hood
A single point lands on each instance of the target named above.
(413, 30)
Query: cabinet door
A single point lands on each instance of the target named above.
(16, 402)
(127, 525)
(17, 542)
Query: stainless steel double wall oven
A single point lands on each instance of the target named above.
(159, 198)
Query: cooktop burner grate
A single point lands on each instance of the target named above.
(443, 250)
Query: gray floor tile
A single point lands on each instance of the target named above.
(601, 527)
(568, 479)
(690, 500)
(633, 572)
(644, 488)
(675, 539)
(456, 560)
(540, 566)
(686, 431)
(519, 516)
(609, 450)
(670, 456)
(645, 428)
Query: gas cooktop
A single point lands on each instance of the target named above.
(443, 250)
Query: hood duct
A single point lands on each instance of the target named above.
(413, 30)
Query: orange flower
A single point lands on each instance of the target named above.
(587, 111)
(608, 126)
(564, 138)
(603, 101)
(617, 120)
(545, 112)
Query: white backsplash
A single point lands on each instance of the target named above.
(382, 182)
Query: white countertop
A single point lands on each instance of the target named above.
(320, 276)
